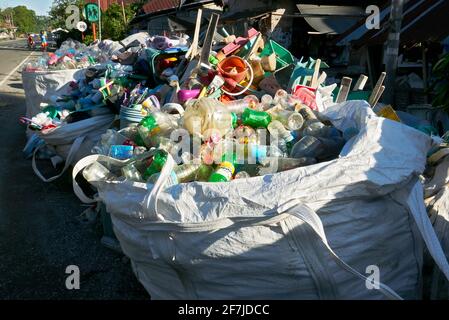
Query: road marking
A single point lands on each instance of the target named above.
(15, 69)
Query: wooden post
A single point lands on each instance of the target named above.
(344, 90)
(392, 49)
(94, 30)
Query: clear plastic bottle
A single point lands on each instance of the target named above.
(307, 114)
(207, 115)
(318, 129)
(242, 175)
(317, 147)
(238, 106)
(290, 119)
(187, 172)
(97, 172)
(131, 172)
(261, 152)
(245, 135)
(266, 101)
(277, 130)
(280, 97)
(157, 123)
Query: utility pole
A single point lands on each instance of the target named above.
(99, 19)
(124, 14)
(392, 49)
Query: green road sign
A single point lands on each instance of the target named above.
(92, 12)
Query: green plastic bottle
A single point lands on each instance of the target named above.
(225, 170)
(255, 118)
(156, 165)
(235, 119)
(150, 123)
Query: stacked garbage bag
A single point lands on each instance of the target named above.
(231, 171)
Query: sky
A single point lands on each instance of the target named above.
(41, 7)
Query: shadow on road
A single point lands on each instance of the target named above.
(41, 233)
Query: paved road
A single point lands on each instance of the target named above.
(40, 230)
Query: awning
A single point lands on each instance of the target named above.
(423, 20)
(330, 19)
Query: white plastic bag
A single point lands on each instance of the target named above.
(270, 237)
(40, 86)
(73, 141)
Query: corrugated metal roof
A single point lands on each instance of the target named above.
(160, 5)
(106, 3)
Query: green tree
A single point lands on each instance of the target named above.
(43, 23)
(113, 24)
(58, 14)
(24, 18)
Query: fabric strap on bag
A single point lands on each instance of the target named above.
(414, 199)
(86, 161)
(70, 158)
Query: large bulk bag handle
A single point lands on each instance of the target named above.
(69, 160)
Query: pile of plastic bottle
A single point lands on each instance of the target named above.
(85, 98)
(227, 118)
(217, 142)
(71, 55)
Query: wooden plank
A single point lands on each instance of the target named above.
(193, 50)
(344, 90)
(361, 82)
(207, 45)
(254, 47)
(377, 88)
(379, 94)
(321, 78)
(316, 71)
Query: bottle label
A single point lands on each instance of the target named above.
(155, 131)
(226, 169)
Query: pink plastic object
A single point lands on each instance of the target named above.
(184, 94)
(306, 95)
(239, 42)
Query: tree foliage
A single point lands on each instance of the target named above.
(113, 24)
(24, 18)
(112, 20)
(58, 11)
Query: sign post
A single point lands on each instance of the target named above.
(92, 14)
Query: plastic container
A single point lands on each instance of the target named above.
(233, 67)
(256, 119)
(283, 56)
(129, 116)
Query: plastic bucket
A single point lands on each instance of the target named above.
(129, 116)
(233, 67)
